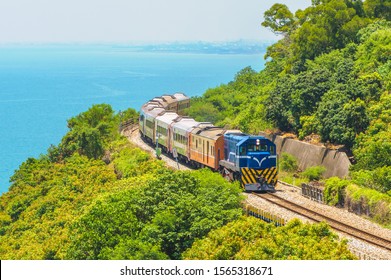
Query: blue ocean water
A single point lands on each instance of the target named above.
(43, 86)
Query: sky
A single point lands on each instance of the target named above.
(124, 21)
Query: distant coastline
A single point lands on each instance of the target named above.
(229, 47)
(237, 47)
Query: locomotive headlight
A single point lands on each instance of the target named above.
(258, 142)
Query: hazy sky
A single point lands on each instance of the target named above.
(135, 20)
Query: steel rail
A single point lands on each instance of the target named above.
(335, 224)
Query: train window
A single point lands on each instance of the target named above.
(272, 150)
(149, 124)
(242, 150)
(162, 130)
(257, 148)
(196, 144)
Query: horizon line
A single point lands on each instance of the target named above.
(138, 43)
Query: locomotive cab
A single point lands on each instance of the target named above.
(257, 153)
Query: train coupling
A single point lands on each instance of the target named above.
(257, 187)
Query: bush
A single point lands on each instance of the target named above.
(288, 162)
(308, 126)
(314, 173)
(334, 192)
(378, 179)
(262, 241)
(369, 202)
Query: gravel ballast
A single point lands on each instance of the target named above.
(362, 249)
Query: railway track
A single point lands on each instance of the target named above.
(337, 225)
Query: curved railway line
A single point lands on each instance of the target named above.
(337, 225)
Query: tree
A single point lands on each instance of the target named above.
(309, 87)
(279, 19)
(375, 50)
(84, 140)
(378, 8)
(341, 119)
(89, 132)
(323, 28)
(202, 111)
(373, 147)
(278, 104)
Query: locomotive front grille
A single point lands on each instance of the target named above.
(262, 176)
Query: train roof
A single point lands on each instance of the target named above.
(179, 96)
(167, 117)
(185, 123)
(165, 100)
(160, 101)
(204, 124)
(168, 98)
(244, 136)
(150, 104)
(211, 132)
(153, 111)
(234, 132)
(240, 138)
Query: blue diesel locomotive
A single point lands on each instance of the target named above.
(250, 159)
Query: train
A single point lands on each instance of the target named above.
(249, 159)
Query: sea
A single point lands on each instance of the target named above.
(42, 86)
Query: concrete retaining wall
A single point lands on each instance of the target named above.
(337, 163)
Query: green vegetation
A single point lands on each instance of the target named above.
(369, 202)
(106, 199)
(290, 173)
(329, 75)
(95, 196)
(314, 173)
(240, 104)
(288, 163)
(360, 200)
(334, 192)
(120, 203)
(252, 239)
(164, 215)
